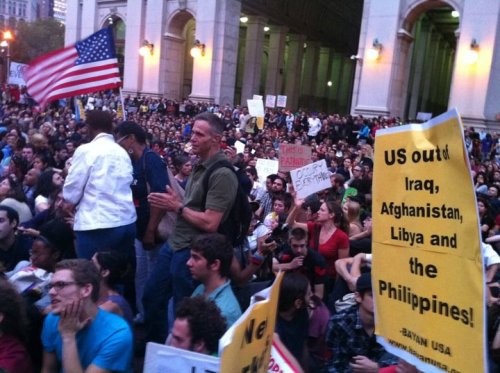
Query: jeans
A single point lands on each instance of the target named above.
(108, 239)
(170, 278)
(145, 262)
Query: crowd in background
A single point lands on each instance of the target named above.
(323, 241)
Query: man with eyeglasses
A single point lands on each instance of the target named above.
(297, 257)
(77, 335)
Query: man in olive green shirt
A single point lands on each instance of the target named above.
(171, 276)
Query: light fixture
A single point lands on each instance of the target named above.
(198, 49)
(329, 83)
(266, 28)
(375, 51)
(147, 48)
(7, 35)
(244, 19)
(355, 57)
(472, 54)
(455, 14)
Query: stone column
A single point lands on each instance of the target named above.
(73, 22)
(134, 36)
(324, 70)
(294, 69)
(311, 61)
(153, 32)
(427, 82)
(422, 44)
(374, 85)
(254, 47)
(275, 65)
(89, 15)
(214, 75)
(475, 89)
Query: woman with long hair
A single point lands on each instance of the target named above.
(327, 235)
(352, 211)
(113, 267)
(48, 182)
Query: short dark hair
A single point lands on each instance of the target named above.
(293, 287)
(100, 120)
(11, 213)
(213, 120)
(206, 322)
(84, 272)
(298, 234)
(213, 246)
(131, 128)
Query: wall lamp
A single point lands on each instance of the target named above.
(375, 51)
(198, 49)
(147, 48)
(472, 55)
(356, 57)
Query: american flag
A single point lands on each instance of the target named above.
(88, 66)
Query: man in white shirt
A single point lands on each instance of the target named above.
(98, 184)
(314, 127)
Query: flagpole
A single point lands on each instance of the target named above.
(123, 105)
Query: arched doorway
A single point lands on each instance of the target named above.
(118, 27)
(178, 69)
(428, 42)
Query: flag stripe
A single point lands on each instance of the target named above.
(84, 88)
(52, 59)
(88, 66)
(74, 74)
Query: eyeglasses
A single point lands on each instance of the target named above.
(59, 285)
(121, 139)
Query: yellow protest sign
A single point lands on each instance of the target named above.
(427, 267)
(246, 346)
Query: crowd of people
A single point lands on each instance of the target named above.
(111, 224)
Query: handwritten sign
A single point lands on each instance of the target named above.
(266, 167)
(281, 101)
(16, 73)
(246, 346)
(240, 147)
(256, 108)
(311, 178)
(257, 97)
(270, 101)
(427, 268)
(165, 359)
(294, 156)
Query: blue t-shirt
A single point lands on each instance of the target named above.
(224, 298)
(107, 342)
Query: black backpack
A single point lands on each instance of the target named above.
(235, 227)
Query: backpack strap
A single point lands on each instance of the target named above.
(208, 173)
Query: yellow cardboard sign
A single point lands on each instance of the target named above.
(427, 268)
(246, 346)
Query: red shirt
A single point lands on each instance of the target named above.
(330, 249)
(13, 355)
